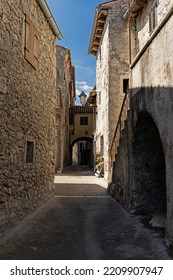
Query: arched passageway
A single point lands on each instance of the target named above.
(81, 151)
(149, 183)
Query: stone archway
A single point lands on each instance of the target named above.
(149, 178)
(81, 148)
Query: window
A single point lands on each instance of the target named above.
(125, 85)
(83, 120)
(29, 152)
(153, 18)
(31, 43)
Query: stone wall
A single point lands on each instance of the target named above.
(27, 113)
(157, 70)
(152, 89)
(111, 68)
(149, 130)
(65, 85)
(119, 63)
(60, 114)
(119, 187)
(142, 21)
(102, 86)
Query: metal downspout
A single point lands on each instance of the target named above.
(44, 7)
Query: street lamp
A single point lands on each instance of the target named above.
(82, 97)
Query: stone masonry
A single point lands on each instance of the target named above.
(27, 112)
(65, 88)
(142, 175)
(112, 68)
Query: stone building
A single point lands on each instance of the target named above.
(81, 135)
(65, 89)
(28, 34)
(92, 102)
(142, 175)
(109, 43)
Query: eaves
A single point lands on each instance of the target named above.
(48, 15)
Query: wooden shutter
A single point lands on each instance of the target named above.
(153, 18)
(35, 46)
(31, 42)
(27, 38)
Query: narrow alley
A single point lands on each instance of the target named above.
(69, 112)
(82, 222)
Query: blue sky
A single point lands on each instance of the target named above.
(75, 19)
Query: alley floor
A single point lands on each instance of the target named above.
(82, 222)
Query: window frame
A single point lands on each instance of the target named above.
(153, 18)
(29, 142)
(83, 120)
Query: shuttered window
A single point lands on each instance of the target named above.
(153, 18)
(31, 43)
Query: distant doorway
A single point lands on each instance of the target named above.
(149, 179)
(82, 152)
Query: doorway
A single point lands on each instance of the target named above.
(149, 178)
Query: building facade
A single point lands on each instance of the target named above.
(65, 89)
(145, 153)
(81, 135)
(27, 107)
(109, 43)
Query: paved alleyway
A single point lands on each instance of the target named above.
(82, 222)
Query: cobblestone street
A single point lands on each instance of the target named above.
(82, 222)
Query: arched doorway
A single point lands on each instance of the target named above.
(149, 183)
(82, 151)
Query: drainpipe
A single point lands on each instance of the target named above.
(47, 13)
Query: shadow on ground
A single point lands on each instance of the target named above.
(82, 222)
(79, 190)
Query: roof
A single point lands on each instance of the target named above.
(81, 109)
(101, 13)
(91, 100)
(48, 15)
(135, 8)
(107, 2)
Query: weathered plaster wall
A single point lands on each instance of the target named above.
(27, 112)
(155, 66)
(82, 130)
(143, 20)
(153, 72)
